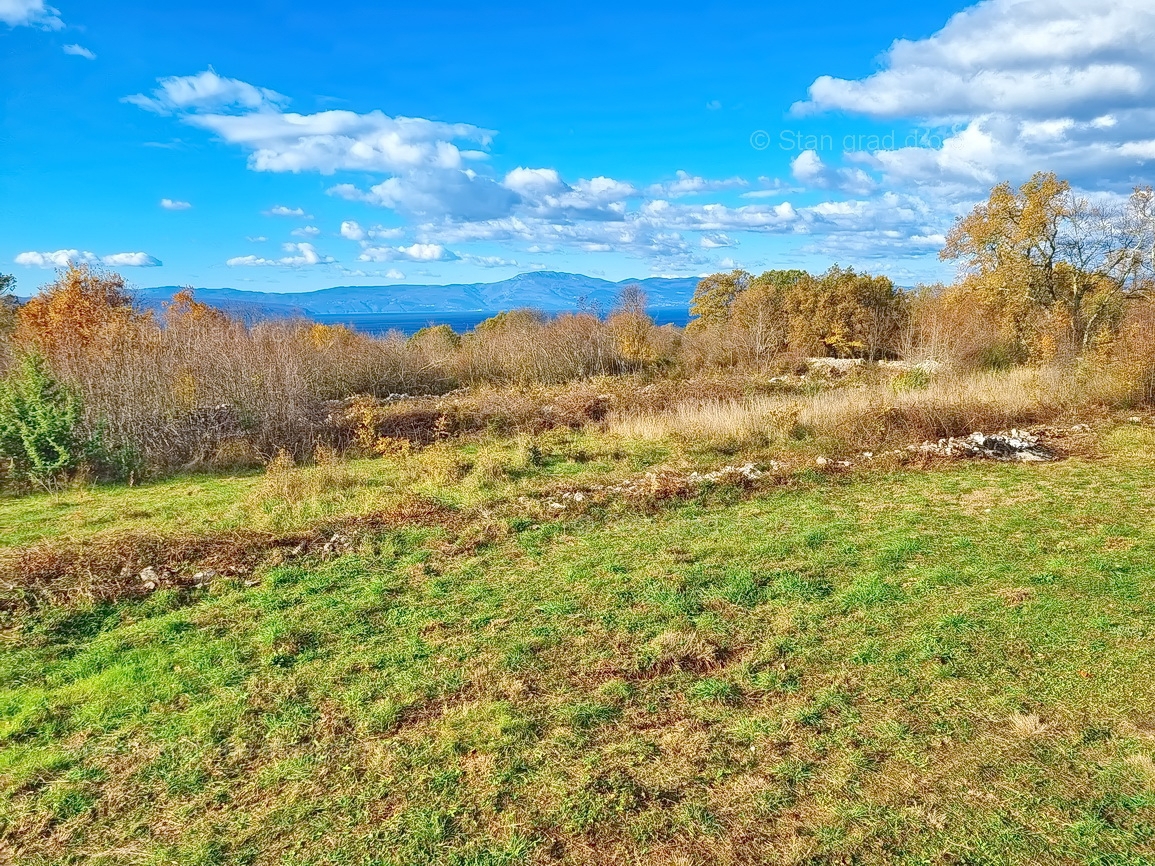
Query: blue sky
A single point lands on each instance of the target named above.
(293, 146)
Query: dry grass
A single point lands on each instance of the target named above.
(867, 416)
(681, 650)
(1026, 725)
(759, 419)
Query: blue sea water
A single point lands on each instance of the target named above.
(410, 323)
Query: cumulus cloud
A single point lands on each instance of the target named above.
(306, 232)
(30, 13)
(64, 258)
(462, 194)
(78, 51)
(1010, 87)
(253, 118)
(1010, 56)
(301, 256)
(351, 230)
(542, 193)
(285, 211)
(809, 169)
(418, 252)
(58, 259)
(174, 204)
(686, 184)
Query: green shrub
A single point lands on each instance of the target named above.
(916, 379)
(41, 437)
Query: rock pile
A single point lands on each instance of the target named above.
(1014, 445)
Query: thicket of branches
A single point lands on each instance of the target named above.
(91, 381)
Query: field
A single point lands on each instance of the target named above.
(560, 650)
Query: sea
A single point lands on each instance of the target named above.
(410, 323)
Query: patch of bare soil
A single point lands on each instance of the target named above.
(133, 564)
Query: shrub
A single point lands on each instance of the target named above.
(915, 379)
(41, 435)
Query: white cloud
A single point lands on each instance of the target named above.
(29, 13)
(306, 255)
(131, 260)
(463, 194)
(1062, 56)
(174, 204)
(207, 92)
(809, 169)
(716, 240)
(347, 191)
(64, 258)
(284, 211)
(394, 274)
(306, 232)
(278, 141)
(58, 259)
(542, 193)
(78, 51)
(351, 230)
(686, 184)
(333, 141)
(419, 252)
(534, 182)
(1009, 87)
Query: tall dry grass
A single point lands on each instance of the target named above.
(199, 393)
(715, 422)
(887, 410)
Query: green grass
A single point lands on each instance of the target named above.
(921, 667)
(460, 475)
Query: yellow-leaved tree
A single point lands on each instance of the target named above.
(1052, 268)
(85, 310)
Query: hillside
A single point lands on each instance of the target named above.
(541, 290)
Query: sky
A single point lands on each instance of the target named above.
(290, 146)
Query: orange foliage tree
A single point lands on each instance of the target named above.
(75, 313)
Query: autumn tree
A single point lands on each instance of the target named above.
(631, 327)
(81, 309)
(846, 314)
(714, 296)
(841, 312)
(759, 316)
(1046, 263)
(184, 310)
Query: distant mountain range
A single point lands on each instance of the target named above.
(549, 291)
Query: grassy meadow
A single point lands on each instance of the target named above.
(555, 649)
(583, 589)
